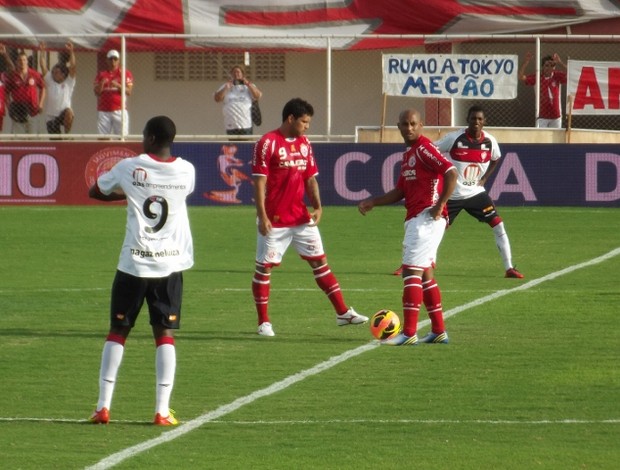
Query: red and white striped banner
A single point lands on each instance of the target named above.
(283, 23)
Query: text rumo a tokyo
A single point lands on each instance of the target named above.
(451, 76)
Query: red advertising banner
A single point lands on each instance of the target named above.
(56, 172)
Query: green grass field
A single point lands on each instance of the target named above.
(530, 379)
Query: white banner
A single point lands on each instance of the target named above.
(594, 87)
(459, 76)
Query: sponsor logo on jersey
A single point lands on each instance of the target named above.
(139, 177)
(425, 152)
(471, 175)
(299, 163)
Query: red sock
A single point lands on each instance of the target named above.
(432, 301)
(412, 298)
(328, 283)
(116, 338)
(260, 289)
(164, 340)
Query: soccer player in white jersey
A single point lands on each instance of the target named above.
(284, 170)
(157, 249)
(426, 181)
(475, 154)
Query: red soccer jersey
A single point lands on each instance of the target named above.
(550, 104)
(110, 97)
(26, 90)
(287, 164)
(421, 176)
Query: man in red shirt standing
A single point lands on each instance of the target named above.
(551, 81)
(426, 181)
(3, 79)
(284, 171)
(111, 117)
(27, 91)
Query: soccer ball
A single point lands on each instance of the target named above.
(384, 324)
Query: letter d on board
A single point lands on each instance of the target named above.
(592, 168)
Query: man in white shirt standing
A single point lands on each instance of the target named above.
(237, 95)
(157, 249)
(60, 82)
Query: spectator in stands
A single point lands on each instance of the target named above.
(111, 116)
(27, 92)
(60, 82)
(237, 95)
(7, 67)
(551, 81)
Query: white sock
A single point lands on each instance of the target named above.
(110, 363)
(503, 244)
(165, 363)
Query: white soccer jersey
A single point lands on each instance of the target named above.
(158, 239)
(471, 158)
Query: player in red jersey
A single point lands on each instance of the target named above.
(426, 181)
(475, 154)
(551, 81)
(284, 172)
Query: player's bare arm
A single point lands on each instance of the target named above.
(390, 197)
(312, 190)
(489, 172)
(449, 183)
(264, 224)
(116, 195)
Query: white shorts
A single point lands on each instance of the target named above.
(423, 235)
(549, 123)
(305, 238)
(109, 122)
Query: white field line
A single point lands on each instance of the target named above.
(211, 416)
(422, 421)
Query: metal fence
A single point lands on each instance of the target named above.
(343, 83)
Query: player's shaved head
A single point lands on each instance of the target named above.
(406, 115)
(410, 125)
